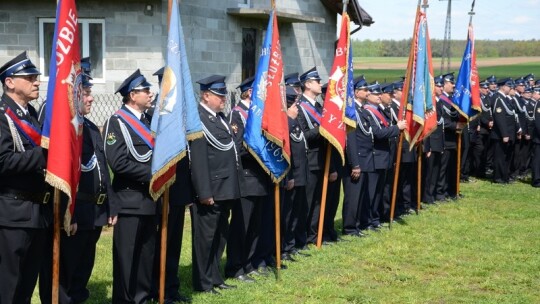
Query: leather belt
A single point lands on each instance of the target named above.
(98, 198)
(36, 197)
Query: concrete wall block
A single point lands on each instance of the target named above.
(29, 40)
(2, 27)
(16, 28)
(124, 64)
(116, 52)
(4, 16)
(9, 39)
(121, 41)
(157, 30)
(150, 65)
(206, 56)
(140, 29)
(151, 41)
(123, 17)
(212, 24)
(115, 29)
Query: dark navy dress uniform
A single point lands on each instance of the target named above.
(432, 164)
(246, 217)
(358, 141)
(535, 162)
(25, 210)
(382, 159)
(448, 172)
(214, 173)
(504, 125)
(134, 237)
(484, 153)
(294, 203)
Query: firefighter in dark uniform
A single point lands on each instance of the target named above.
(383, 132)
(504, 132)
(294, 202)
(216, 173)
(93, 210)
(485, 122)
(535, 162)
(447, 177)
(529, 119)
(128, 148)
(517, 168)
(24, 210)
(357, 164)
(245, 217)
(432, 152)
(309, 119)
(180, 196)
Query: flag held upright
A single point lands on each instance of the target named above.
(266, 134)
(333, 126)
(63, 122)
(176, 119)
(467, 93)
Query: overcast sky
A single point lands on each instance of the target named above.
(494, 19)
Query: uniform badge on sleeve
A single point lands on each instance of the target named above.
(234, 128)
(498, 110)
(111, 139)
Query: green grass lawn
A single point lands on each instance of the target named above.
(483, 249)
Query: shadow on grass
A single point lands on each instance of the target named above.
(98, 289)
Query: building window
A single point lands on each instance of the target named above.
(244, 3)
(91, 37)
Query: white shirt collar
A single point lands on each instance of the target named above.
(311, 101)
(134, 111)
(358, 102)
(25, 110)
(208, 109)
(396, 102)
(245, 103)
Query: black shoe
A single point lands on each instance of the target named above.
(211, 291)
(245, 278)
(300, 253)
(225, 286)
(261, 271)
(287, 257)
(178, 298)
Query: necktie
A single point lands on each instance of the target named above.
(144, 120)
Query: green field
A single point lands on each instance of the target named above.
(382, 75)
(483, 249)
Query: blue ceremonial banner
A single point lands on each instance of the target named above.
(467, 93)
(176, 119)
(350, 111)
(268, 154)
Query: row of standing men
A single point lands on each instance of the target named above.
(219, 179)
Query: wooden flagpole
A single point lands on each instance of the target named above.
(277, 215)
(323, 198)
(419, 178)
(164, 216)
(163, 245)
(403, 109)
(56, 247)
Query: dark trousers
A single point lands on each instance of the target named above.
(245, 228)
(465, 156)
(535, 165)
(77, 257)
(293, 204)
(175, 232)
(314, 194)
(432, 167)
(489, 152)
(406, 197)
(447, 183)
(368, 194)
(210, 233)
(502, 157)
(332, 203)
(478, 161)
(377, 197)
(266, 246)
(134, 241)
(352, 205)
(386, 197)
(21, 253)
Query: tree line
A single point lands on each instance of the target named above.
(484, 48)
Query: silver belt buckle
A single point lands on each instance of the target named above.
(46, 197)
(101, 198)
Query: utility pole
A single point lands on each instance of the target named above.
(446, 54)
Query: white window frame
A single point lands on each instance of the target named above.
(84, 27)
(244, 4)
